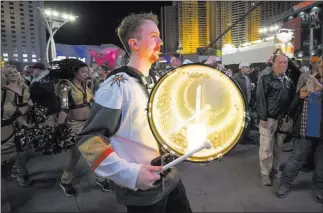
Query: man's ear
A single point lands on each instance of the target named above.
(133, 44)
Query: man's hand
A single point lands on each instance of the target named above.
(211, 61)
(263, 123)
(303, 93)
(147, 176)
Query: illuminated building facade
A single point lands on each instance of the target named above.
(169, 29)
(192, 26)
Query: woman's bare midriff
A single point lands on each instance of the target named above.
(6, 132)
(80, 114)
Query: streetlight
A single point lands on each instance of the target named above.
(54, 20)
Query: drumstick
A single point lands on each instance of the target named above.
(205, 145)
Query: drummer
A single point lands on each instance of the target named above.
(118, 128)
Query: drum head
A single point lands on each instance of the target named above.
(194, 103)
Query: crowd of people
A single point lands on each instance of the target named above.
(101, 115)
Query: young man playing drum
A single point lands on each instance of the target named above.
(117, 141)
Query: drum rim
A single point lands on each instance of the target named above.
(171, 150)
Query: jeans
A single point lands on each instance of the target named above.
(302, 148)
(176, 201)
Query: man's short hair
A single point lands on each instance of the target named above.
(130, 25)
(104, 68)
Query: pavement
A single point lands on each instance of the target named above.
(231, 185)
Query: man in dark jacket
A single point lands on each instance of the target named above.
(273, 97)
(305, 140)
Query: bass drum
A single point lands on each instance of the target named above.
(194, 103)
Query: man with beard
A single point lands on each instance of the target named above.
(116, 140)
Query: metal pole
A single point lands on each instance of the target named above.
(50, 28)
(229, 28)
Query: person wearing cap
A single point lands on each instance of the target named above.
(274, 94)
(242, 79)
(26, 74)
(39, 71)
(314, 70)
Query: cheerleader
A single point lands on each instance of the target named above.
(13, 92)
(75, 98)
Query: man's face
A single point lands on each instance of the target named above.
(245, 70)
(36, 72)
(149, 44)
(315, 66)
(101, 72)
(280, 64)
(320, 65)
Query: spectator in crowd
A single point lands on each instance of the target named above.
(273, 97)
(103, 72)
(27, 75)
(304, 143)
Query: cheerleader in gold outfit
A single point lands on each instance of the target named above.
(75, 98)
(13, 92)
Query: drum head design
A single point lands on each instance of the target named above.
(194, 103)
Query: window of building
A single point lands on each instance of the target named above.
(21, 14)
(22, 19)
(14, 41)
(13, 31)
(15, 55)
(2, 21)
(30, 6)
(12, 22)
(32, 37)
(24, 37)
(25, 55)
(30, 11)
(34, 56)
(21, 9)
(4, 45)
(31, 20)
(12, 17)
(11, 12)
(24, 42)
(23, 46)
(23, 28)
(32, 42)
(32, 29)
(32, 24)
(11, 8)
(2, 16)
(11, 3)
(22, 23)
(13, 36)
(3, 40)
(25, 60)
(34, 60)
(13, 27)
(21, 5)
(3, 35)
(34, 47)
(5, 54)
(6, 59)
(32, 33)
(3, 26)
(31, 16)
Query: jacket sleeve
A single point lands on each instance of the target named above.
(261, 102)
(94, 143)
(301, 82)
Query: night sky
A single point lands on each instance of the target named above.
(98, 21)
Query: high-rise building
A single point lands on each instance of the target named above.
(192, 26)
(169, 29)
(23, 36)
(225, 13)
(270, 9)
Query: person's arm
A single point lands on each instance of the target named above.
(261, 99)
(63, 94)
(301, 82)
(94, 143)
